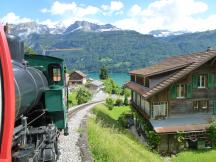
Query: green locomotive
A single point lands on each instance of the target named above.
(41, 104)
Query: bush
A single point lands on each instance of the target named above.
(212, 133)
(126, 92)
(126, 120)
(110, 103)
(126, 102)
(119, 102)
(83, 95)
(153, 139)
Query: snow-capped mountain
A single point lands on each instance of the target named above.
(25, 29)
(89, 27)
(166, 33)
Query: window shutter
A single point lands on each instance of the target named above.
(173, 92)
(194, 81)
(210, 80)
(189, 91)
(214, 107)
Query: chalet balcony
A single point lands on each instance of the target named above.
(139, 110)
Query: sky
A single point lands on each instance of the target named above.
(140, 15)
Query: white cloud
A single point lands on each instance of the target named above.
(70, 12)
(168, 14)
(12, 18)
(114, 6)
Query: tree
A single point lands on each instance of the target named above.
(29, 51)
(83, 95)
(126, 102)
(110, 103)
(103, 73)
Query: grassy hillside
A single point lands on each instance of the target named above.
(109, 142)
(196, 156)
(119, 50)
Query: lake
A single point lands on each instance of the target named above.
(119, 78)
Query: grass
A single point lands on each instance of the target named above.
(72, 98)
(196, 156)
(110, 142)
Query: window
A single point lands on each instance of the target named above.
(142, 104)
(181, 91)
(139, 80)
(133, 78)
(159, 109)
(146, 82)
(138, 100)
(134, 96)
(204, 104)
(55, 72)
(202, 80)
(200, 105)
(196, 105)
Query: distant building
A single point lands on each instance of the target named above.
(176, 97)
(95, 85)
(77, 77)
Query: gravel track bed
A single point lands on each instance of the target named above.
(70, 151)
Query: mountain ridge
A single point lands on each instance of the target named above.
(119, 50)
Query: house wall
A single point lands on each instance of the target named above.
(154, 80)
(185, 106)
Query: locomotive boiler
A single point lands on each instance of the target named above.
(30, 82)
(40, 104)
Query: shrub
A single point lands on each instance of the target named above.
(119, 102)
(153, 139)
(126, 120)
(212, 133)
(83, 95)
(110, 103)
(126, 102)
(126, 92)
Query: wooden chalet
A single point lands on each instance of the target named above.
(177, 95)
(77, 77)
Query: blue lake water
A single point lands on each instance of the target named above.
(119, 78)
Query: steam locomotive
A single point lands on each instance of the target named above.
(33, 103)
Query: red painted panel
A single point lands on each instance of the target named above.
(9, 99)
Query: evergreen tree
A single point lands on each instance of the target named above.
(103, 73)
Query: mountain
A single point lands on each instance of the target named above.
(25, 29)
(166, 33)
(86, 47)
(89, 27)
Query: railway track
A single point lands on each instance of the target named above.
(69, 146)
(73, 111)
